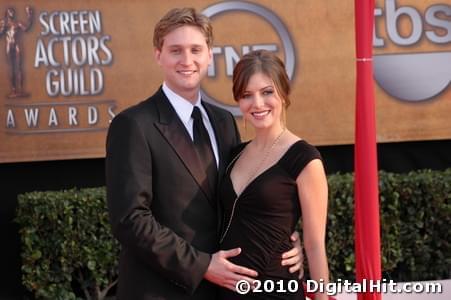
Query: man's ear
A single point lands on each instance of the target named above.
(157, 55)
(210, 56)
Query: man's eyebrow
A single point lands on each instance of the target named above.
(189, 46)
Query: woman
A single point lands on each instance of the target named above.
(272, 180)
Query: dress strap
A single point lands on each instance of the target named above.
(298, 156)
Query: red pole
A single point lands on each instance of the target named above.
(366, 192)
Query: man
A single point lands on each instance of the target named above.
(161, 181)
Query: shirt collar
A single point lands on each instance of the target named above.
(182, 106)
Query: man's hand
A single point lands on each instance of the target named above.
(294, 257)
(226, 274)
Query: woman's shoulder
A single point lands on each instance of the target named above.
(304, 148)
(299, 154)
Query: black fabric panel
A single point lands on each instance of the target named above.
(399, 157)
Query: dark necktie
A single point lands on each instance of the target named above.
(202, 144)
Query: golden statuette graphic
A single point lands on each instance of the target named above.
(13, 30)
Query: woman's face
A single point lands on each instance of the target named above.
(260, 102)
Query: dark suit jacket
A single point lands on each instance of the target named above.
(161, 208)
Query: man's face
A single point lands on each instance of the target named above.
(184, 59)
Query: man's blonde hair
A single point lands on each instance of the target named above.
(179, 17)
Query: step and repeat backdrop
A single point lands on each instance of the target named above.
(67, 68)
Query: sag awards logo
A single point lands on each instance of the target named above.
(415, 76)
(73, 51)
(226, 56)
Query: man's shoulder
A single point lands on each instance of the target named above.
(144, 109)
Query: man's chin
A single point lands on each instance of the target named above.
(191, 86)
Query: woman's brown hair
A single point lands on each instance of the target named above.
(261, 61)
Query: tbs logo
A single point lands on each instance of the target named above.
(415, 47)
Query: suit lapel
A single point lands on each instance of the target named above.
(218, 127)
(172, 128)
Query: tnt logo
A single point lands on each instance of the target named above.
(260, 28)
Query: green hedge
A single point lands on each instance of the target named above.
(67, 245)
(415, 225)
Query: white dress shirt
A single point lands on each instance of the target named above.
(184, 109)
